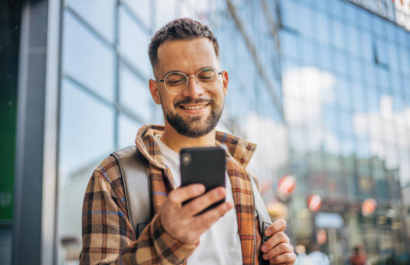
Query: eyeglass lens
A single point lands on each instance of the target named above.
(177, 82)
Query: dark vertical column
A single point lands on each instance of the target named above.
(30, 134)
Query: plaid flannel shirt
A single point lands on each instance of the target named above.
(109, 237)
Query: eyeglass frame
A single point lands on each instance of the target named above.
(187, 78)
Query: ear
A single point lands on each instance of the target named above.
(154, 89)
(225, 82)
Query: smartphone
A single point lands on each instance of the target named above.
(205, 165)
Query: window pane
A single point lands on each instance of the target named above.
(367, 47)
(322, 27)
(135, 95)
(358, 97)
(308, 49)
(351, 14)
(87, 130)
(87, 60)
(381, 51)
(305, 22)
(289, 14)
(165, 12)
(337, 8)
(341, 64)
(339, 36)
(353, 40)
(392, 56)
(128, 131)
(141, 8)
(99, 13)
(87, 136)
(134, 42)
(289, 44)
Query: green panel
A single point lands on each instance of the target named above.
(10, 16)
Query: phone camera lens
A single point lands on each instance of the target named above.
(186, 159)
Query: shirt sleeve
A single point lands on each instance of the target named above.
(109, 237)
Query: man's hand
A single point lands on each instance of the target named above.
(277, 248)
(179, 221)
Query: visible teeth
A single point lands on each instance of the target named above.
(193, 107)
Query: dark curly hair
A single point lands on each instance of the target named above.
(179, 29)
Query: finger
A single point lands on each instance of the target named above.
(201, 203)
(285, 258)
(204, 221)
(178, 196)
(277, 226)
(278, 250)
(276, 239)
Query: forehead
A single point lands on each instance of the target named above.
(186, 55)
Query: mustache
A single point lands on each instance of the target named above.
(189, 100)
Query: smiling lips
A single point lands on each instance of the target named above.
(193, 107)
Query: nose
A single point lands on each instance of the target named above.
(194, 88)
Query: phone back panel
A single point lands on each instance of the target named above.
(205, 165)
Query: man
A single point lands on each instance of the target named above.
(302, 258)
(317, 257)
(191, 87)
(358, 256)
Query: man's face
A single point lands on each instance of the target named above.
(195, 112)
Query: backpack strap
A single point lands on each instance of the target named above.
(137, 188)
(263, 217)
(260, 206)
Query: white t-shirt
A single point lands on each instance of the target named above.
(220, 244)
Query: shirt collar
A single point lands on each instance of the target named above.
(147, 143)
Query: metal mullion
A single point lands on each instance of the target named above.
(116, 74)
(56, 250)
(90, 28)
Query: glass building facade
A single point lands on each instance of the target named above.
(345, 75)
(321, 86)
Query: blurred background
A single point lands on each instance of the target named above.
(323, 87)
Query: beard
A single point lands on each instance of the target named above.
(194, 127)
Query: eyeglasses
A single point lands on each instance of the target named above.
(176, 82)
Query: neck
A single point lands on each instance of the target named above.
(176, 141)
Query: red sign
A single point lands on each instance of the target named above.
(369, 206)
(286, 185)
(314, 202)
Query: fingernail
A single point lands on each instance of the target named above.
(201, 188)
(220, 192)
(268, 232)
(264, 248)
(265, 256)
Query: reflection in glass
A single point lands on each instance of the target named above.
(305, 22)
(87, 130)
(165, 12)
(289, 14)
(99, 13)
(134, 42)
(87, 60)
(128, 129)
(135, 95)
(322, 25)
(86, 137)
(142, 9)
